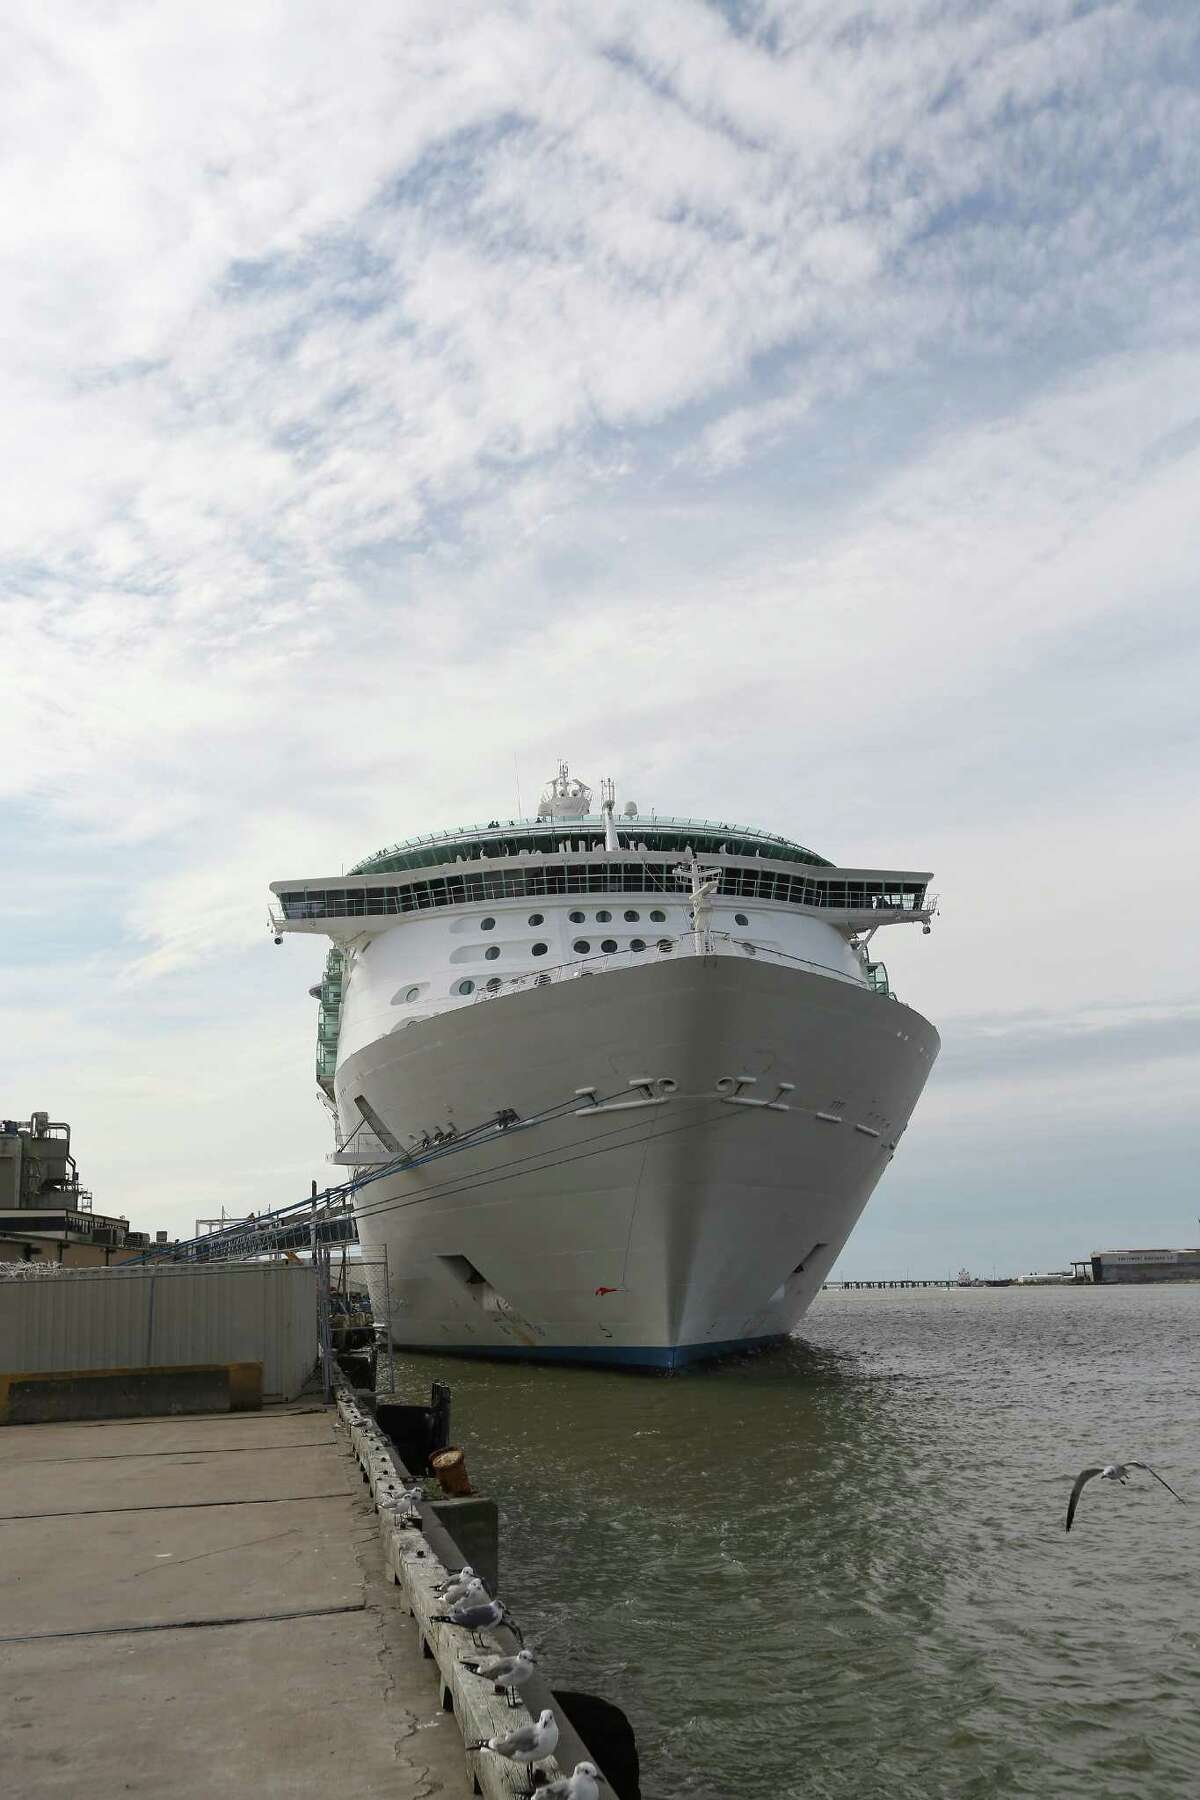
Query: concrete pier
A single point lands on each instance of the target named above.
(200, 1607)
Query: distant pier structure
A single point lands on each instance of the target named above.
(1114, 1266)
(906, 1281)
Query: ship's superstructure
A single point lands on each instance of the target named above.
(668, 1066)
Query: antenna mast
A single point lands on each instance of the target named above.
(608, 800)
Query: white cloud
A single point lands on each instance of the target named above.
(802, 413)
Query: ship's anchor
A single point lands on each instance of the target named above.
(648, 1090)
(729, 1087)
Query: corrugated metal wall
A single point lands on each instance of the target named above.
(163, 1316)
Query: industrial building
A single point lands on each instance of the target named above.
(45, 1214)
(1145, 1265)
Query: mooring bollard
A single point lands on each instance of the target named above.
(450, 1468)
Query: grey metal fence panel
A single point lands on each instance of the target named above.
(163, 1317)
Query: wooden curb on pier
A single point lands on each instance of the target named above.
(418, 1572)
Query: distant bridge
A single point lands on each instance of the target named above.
(906, 1281)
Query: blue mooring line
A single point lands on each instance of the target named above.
(299, 1217)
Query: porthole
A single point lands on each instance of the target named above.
(740, 919)
(411, 993)
(603, 918)
(666, 943)
(576, 918)
(537, 918)
(492, 952)
(487, 924)
(633, 917)
(466, 987)
(609, 945)
(660, 918)
(494, 985)
(582, 946)
(637, 943)
(540, 949)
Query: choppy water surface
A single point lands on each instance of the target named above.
(839, 1569)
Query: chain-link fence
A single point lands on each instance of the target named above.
(354, 1304)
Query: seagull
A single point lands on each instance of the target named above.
(509, 1672)
(1113, 1472)
(528, 1743)
(472, 1595)
(453, 1589)
(583, 1784)
(475, 1613)
(406, 1505)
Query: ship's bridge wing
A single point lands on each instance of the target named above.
(347, 906)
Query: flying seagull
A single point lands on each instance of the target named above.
(1113, 1472)
(584, 1784)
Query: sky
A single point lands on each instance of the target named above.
(789, 410)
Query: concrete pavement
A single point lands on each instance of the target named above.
(198, 1607)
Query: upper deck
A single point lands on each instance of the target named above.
(853, 898)
(558, 860)
(549, 836)
(538, 859)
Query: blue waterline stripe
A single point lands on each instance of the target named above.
(629, 1356)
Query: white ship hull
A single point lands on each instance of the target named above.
(656, 1234)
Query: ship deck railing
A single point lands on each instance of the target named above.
(859, 908)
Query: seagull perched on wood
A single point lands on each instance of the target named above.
(406, 1504)
(583, 1784)
(1113, 1472)
(453, 1590)
(528, 1743)
(504, 1672)
(476, 1613)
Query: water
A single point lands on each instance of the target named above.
(839, 1569)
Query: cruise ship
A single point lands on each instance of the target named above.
(617, 1086)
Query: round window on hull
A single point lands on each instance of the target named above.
(492, 952)
(581, 946)
(465, 987)
(740, 919)
(540, 949)
(659, 918)
(576, 918)
(487, 924)
(537, 918)
(609, 945)
(637, 944)
(633, 917)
